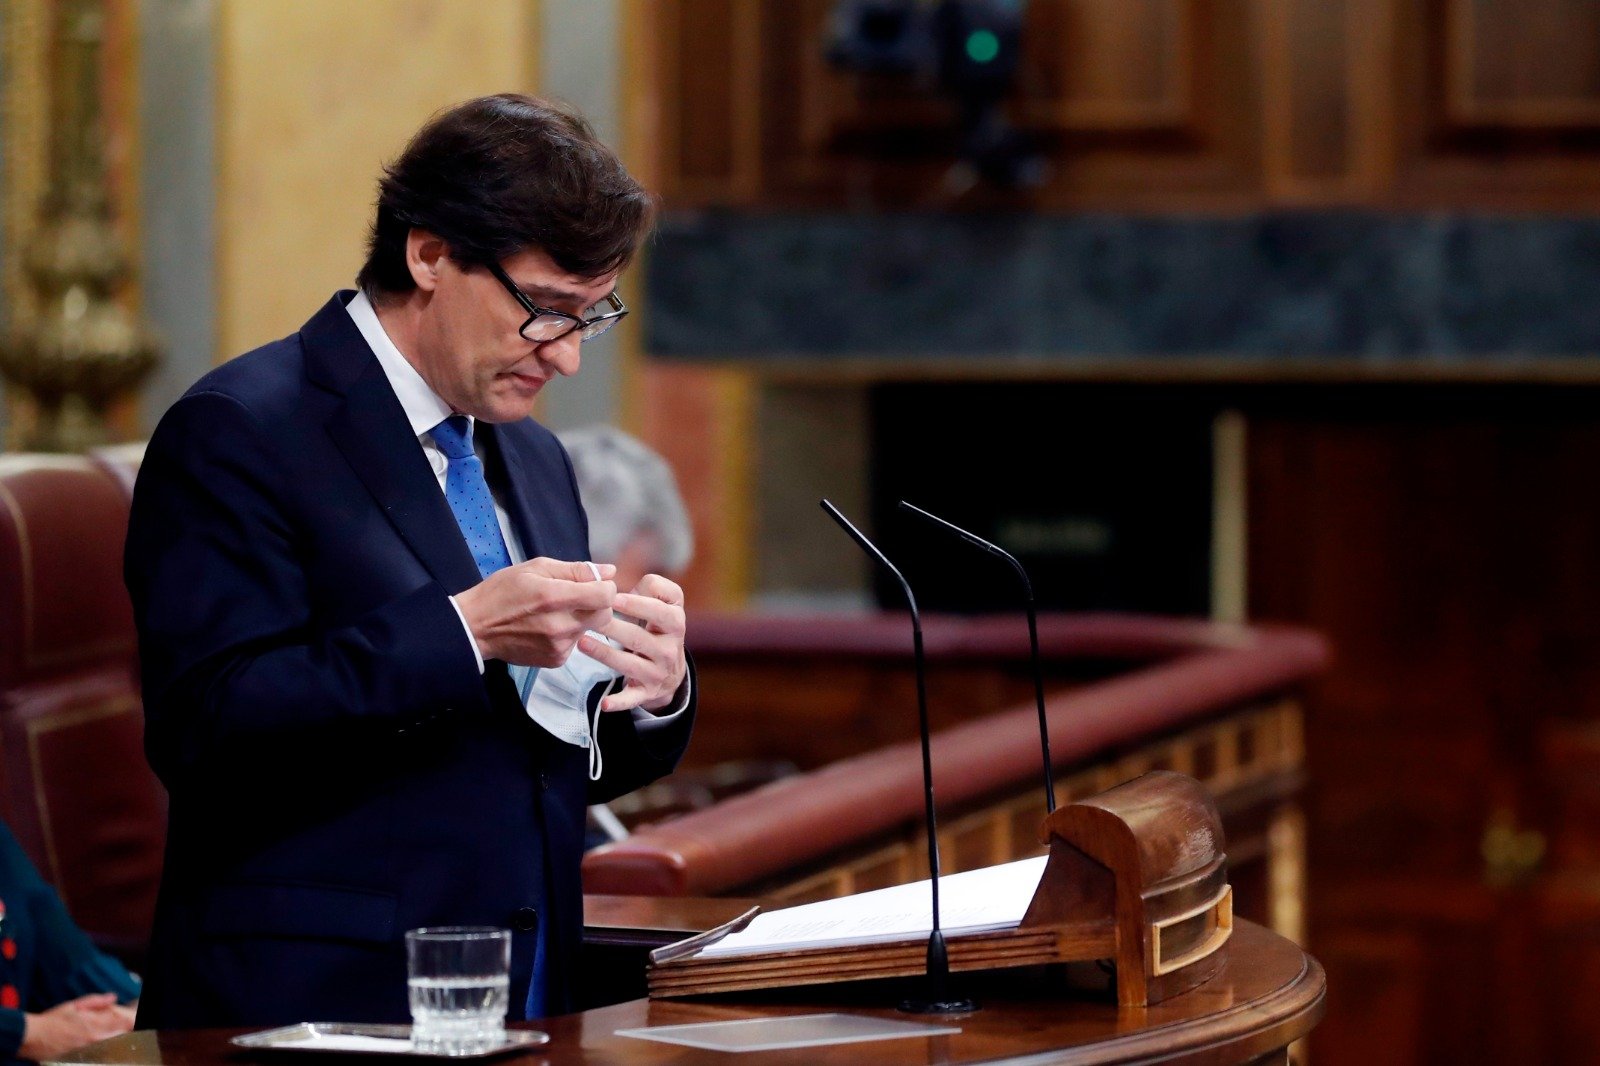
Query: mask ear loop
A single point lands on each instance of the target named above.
(596, 760)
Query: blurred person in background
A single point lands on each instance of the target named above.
(58, 991)
(637, 519)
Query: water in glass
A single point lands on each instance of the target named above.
(458, 1015)
(458, 980)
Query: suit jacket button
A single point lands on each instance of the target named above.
(525, 919)
(544, 780)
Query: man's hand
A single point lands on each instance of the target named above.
(533, 613)
(70, 1025)
(651, 656)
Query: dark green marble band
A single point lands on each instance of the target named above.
(1304, 287)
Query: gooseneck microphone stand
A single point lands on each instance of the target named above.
(939, 1000)
(1033, 633)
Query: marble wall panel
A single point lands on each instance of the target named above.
(1330, 286)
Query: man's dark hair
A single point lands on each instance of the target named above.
(499, 175)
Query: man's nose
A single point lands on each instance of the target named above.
(562, 355)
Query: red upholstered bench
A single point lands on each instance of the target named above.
(74, 784)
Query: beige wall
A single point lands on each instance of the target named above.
(312, 97)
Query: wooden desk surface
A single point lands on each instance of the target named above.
(1269, 995)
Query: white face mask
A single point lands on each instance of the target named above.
(559, 698)
(560, 694)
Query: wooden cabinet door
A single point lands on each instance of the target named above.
(1448, 544)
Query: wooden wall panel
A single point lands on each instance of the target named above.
(1318, 49)
(1326, 93)
(1441, 542)
(1129, 99)
(1087, 65)
(1154, 105)
(712, 64)
(1522, 65)
(1497, 104)
(1565, 936)
(1094, 65)
(1386, 973)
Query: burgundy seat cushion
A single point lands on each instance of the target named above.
(74, 784)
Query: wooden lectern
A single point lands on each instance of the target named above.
(1136, 874)
(1140, 870)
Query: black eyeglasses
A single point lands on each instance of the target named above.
(547, 324)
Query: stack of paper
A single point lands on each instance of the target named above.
(977, 901)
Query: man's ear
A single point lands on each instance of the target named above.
(425, 254)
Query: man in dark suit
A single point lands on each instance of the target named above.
(370, 713)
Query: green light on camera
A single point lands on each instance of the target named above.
(982, 46)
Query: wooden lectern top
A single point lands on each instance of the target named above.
(1135, 874)
(1268, 994)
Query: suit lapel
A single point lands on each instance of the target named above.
(517, 482)
(370, 429)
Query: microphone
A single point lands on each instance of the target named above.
(1033, 633)
(938, 970)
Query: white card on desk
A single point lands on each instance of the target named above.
(790, 1031)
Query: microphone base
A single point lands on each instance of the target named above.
(938, 1006)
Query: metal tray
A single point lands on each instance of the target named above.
(325, 1038)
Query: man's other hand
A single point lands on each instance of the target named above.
(533, 613)
(651, 656)
(70, 1025)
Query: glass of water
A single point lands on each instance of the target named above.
(459, 977)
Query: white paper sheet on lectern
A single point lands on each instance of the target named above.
(977, 901)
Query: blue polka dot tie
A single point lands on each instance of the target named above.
(467, 492)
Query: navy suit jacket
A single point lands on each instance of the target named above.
(338, 769)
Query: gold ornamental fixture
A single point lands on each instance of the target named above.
(84, 347)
